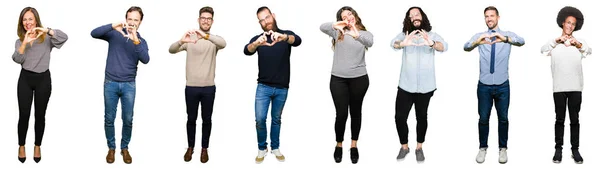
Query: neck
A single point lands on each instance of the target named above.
(567, 34)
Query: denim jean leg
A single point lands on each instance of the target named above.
(261, 108)
(276, 112)
(127, 103)
(485, 101)
(111, 99)
(502, 98)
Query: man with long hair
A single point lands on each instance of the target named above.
(417, 76)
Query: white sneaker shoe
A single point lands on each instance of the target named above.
(481, 155)
(278, 155)
(261, 156)
(503, 158)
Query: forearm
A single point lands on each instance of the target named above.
(252, 48)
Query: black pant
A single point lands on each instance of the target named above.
(204, 96)
(348, 92)
(32, 86)
(404, 102)
(562, 101)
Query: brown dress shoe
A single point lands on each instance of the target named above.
(110, 157)
(126, 156)
(204, 155)
(188, 154)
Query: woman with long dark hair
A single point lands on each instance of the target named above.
(349, 79)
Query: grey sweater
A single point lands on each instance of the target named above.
(36, 57)
(348, 54)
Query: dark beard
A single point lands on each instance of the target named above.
(413, 27)
(275, 28)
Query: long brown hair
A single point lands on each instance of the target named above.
(338, 16)
(21, 29)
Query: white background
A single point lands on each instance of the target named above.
(74, 137)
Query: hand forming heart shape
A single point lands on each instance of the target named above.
(188, 39)
(275, 38)
(33, 34)
(413, 37)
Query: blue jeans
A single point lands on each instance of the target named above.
(113, 91)
(488, 95)
(266, 95)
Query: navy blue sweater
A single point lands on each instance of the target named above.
(123, 55)
(274, 61)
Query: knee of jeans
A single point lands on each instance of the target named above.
(502, 120)
(127, 121)
(276, 122)
(109, 122)
(484, 121)
(261, 124)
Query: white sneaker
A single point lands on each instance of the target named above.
(503, 158)
(481, 155)
(278, 155)
(261, 156)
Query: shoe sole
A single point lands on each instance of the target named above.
(556, 161)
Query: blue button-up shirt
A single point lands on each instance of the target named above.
(417, 74)
(501, 58)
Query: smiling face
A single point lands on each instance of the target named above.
(205, 21)
(29, 21)
(569, 25)
(349, 17)
(267, 20)
(134, 18)
(415, 17)
(491, 19)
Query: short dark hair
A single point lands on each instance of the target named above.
(262, 8)
(491, 8)
(207, 9)
(135, 8)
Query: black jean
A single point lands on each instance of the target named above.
(562, 102)
(194, 97)
(404, 102)
(33, 86)
(348, 93)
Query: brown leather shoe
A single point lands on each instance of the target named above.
(126, 156)
(110, 157)
(204, 155)
(188, 154)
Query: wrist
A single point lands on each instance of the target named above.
(506, 39)
(432, 44)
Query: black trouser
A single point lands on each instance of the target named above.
(562, 101)
(194, 97)
(404, 102)
(348, 92)
(33, 86)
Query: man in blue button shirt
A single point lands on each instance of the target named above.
(417, 76)
(494, 52)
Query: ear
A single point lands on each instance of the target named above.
(273, 16)
(198, 20)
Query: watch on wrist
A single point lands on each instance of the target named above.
(506, 41)
(49, 29)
